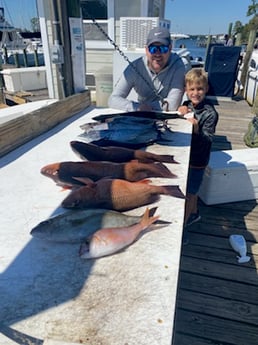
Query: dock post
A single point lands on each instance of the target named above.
(36, 58)
(16, 60)
(2, 98)
(5, 56)
(25, 58)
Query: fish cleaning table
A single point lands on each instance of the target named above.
(48, 292)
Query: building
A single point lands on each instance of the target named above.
(125, 25)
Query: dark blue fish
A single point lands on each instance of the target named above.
(127, 131)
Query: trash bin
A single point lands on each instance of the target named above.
(104, 86)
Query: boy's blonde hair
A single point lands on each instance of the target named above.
(197, 76)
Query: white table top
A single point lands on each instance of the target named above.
(47, 291)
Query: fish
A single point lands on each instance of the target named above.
(108, 241)
(130, 138)
(74, 226)
(125, 131)
(119, 195)
(142, 114)
(91, 152)
(81, 173)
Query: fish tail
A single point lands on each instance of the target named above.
(152, 211)
(173, 191)
(163, 170)
(146, 220)
(167, 159)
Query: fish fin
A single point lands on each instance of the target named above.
(84, 249)
(160, 221)
(152, 211)
(167, 159)
(147, 220)
(145, 181)
(173, 191)
(165, 172)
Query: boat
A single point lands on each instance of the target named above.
(15, 48)
(251, 85)
(177, 36)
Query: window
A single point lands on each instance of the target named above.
(101, 11)
(95, 8)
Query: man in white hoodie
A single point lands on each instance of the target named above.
(157, 77)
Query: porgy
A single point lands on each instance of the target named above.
(119, 195)
(107, 241)
(80, 173)
(117, 154)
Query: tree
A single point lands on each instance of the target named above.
(252, 9)
(34, 22)
(238, 27)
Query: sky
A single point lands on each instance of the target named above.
(186, 16)
(19, 12)
(205, 16)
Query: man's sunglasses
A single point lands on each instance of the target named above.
(161, 49)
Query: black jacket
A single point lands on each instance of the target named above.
(207, 118)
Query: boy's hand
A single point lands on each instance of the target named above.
(183, 109)
(195, 124)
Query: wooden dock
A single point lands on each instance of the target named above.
(217, 299)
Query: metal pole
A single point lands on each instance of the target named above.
(64, 37)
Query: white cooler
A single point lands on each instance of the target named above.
(231, 176)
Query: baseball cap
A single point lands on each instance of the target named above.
(160, 35)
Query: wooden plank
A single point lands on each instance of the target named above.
(219, 287)
(185, 339)
(219, 307)
(220, 270)
(218, 330)
(227, 255)
(215, 242)
(214, 229)
(24, 128)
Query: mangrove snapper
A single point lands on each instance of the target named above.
(80, 173)
(117, 194)
(116, 154)
(107, 241)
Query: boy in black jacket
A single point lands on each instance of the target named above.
(204, 122)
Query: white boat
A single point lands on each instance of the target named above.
(9, 36)
(176, 36)
(252, 78)
(12, 45)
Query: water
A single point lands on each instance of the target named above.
(191, 45)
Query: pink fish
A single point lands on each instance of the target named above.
(107, 241)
